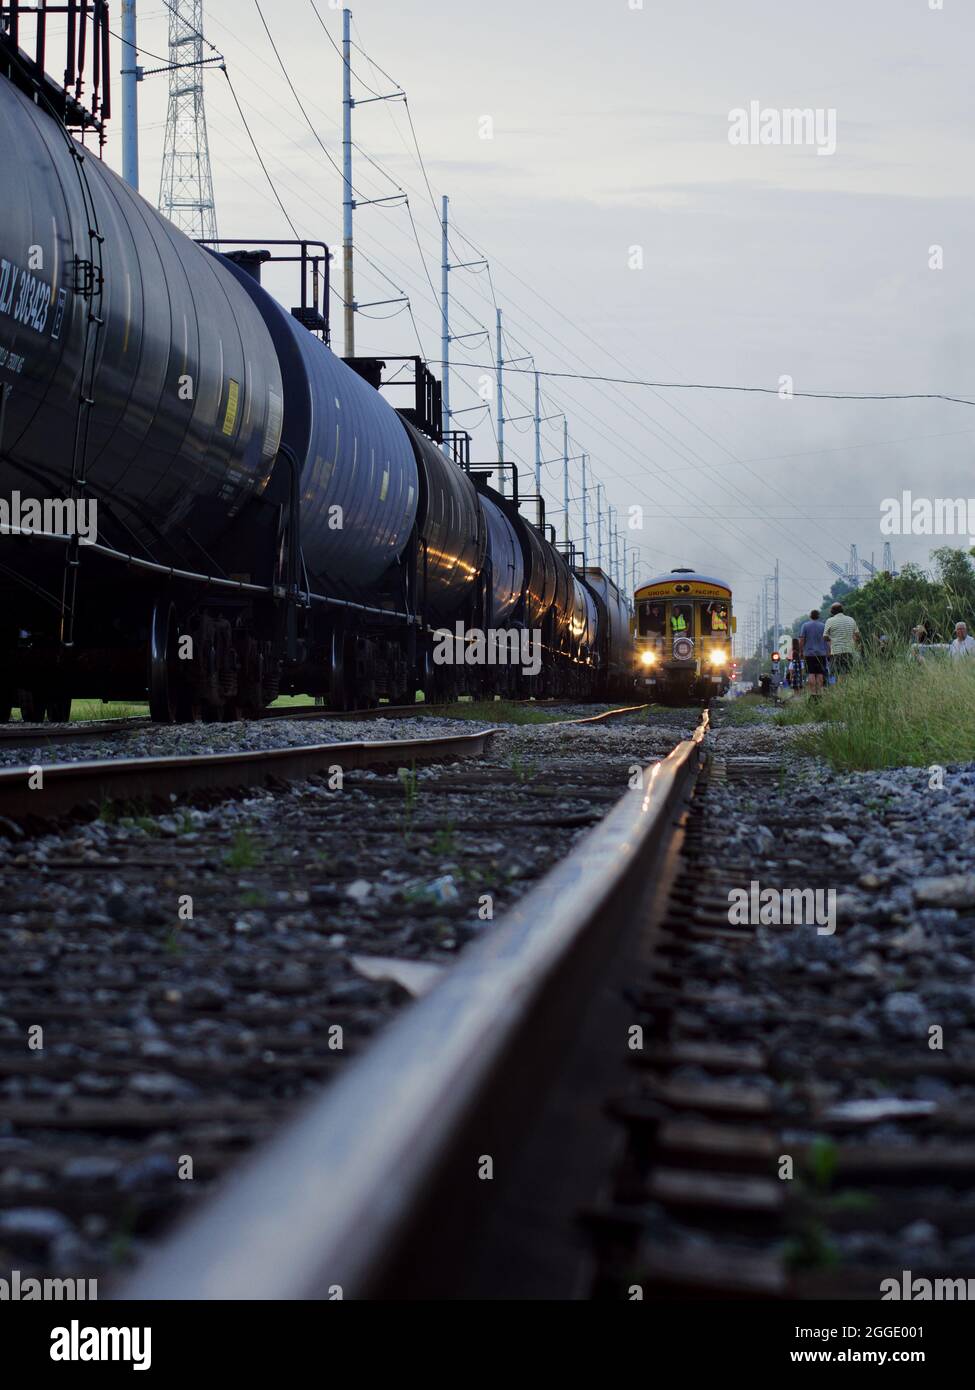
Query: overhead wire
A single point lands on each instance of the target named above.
(413, 224)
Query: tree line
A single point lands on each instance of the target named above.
(894, 606)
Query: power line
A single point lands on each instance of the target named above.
(148, 53)
(685, 450)
(172, 9)
(340, 53)
(473, 366)
(753, 390)
(669, 404)
(385, 173)
(301, 108)
(260, 157)
(335, 166)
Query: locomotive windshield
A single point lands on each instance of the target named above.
(651, 620)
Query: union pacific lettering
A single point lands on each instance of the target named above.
(24, 297)
(685, 590)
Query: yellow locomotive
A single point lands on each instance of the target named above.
(682, 635)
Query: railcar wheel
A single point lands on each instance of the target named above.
(32, 707)
(59, 709)
(342, 665)
(429, 677)
(189, 709)
(163, 663)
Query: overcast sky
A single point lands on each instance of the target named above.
(611, 132)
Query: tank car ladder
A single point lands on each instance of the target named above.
(89, 282)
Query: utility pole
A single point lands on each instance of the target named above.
(585, 511)
(500, 408)
(445, 312)
(446, 338)
(131, 76)
(611, 539)
(347, 203)
(778, 628)
(538, 438)
(599, 525)
(348, 198)
(623, 569)
(565, 478)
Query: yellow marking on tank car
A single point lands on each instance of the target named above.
(233, 403)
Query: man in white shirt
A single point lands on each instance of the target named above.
(843, 636)
(963, 645)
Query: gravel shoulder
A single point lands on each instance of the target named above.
(866, 1025)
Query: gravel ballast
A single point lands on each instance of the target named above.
(196, 973)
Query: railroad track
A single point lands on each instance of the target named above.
(601, 1096)
(32, 796)
(36, 735)
(166, 1037)
(21, 735)
(376, 1188)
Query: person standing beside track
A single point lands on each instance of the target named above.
(963, 645)
(814, 651)
(843, 638)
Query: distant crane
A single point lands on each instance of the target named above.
(850, 574)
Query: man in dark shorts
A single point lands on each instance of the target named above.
(813, 650)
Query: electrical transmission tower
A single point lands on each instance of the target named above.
(186, 185)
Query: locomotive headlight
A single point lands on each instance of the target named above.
(648, 658)
(718, 658)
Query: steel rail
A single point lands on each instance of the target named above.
(65, 787)
(38, 735)
(363, 1192)
(35, 735)
(24, 735)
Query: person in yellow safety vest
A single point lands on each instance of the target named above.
(678, 622)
